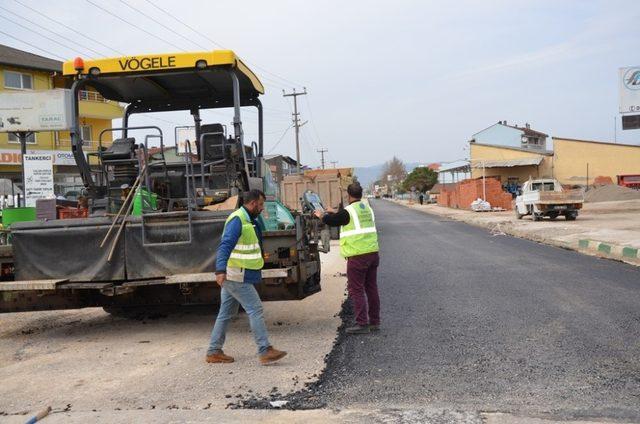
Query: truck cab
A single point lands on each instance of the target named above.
(547, 197)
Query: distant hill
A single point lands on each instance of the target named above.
(367, 175)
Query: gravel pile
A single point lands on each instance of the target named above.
(611, 193)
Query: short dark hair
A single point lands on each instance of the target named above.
(355, 190)
(254, 194)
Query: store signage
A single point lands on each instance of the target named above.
(60, 157)
(27, 111)
(629, 84)
(38, 177)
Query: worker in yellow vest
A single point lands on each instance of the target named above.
(359, 245)
(239, 265)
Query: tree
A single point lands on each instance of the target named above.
(421, 178)
(393, 172)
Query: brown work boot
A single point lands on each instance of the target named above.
(219, 358)
(272, 355)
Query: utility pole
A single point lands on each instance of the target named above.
(296, 121)
(334, 163)
(322, 152)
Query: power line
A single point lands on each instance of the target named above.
(75, 30)
(280, 139)
(133, 25)
(52, 32)
(32, 45)
(313, 125)
(157, 22)
(215, 42)
(41, 35)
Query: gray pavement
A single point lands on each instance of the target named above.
(478, 322)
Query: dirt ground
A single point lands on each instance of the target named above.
(88, 361)
(617, 223)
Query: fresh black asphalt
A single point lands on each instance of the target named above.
(478, 322)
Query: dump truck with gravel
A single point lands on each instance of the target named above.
(547, 197)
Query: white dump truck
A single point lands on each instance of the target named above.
(546, 197)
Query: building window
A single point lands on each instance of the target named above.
(18, 80)
(31, 139)
(85, 132)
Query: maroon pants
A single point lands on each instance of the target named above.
(362, 286)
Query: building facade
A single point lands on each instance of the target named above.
(19, 71)
(502, 134)
(572, 162)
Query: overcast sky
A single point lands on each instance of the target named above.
(409, 78)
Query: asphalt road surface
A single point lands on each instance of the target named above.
(475, 322)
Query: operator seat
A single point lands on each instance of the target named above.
(213, 143)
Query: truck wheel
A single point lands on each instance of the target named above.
(553, 215)
(536, 216)
(571, 216)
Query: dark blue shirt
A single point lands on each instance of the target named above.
(229, 239)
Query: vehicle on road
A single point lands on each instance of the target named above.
(546, 197)
(154, 220)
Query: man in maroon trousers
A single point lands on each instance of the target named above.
(359, 245)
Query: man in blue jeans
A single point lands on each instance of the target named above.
(238, 268)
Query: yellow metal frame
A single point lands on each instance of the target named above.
(146, 64)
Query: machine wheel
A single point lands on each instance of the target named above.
(553, 215)
(518, 214)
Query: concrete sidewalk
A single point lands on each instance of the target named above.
(604, 229)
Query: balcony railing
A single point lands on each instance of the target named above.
(87, 144)
(91, 96)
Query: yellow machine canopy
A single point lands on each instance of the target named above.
(169, 81)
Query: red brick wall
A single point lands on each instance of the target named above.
(465, 192)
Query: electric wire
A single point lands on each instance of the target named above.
(157, 22)
(215, 42)
(32, 45)
(134, 26)
(75, 30)
(280, 139)
(41, 35)
(52, 32)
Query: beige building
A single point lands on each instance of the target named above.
(572, 162)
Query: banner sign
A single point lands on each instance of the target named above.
(38, 178)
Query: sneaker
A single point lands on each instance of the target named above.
(358, 329)
(374, 327)
(219, 358)
(272, 355)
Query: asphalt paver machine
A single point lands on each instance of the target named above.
(165, 253)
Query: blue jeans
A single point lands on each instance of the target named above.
(232, 295)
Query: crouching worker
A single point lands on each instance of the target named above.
(238, 268)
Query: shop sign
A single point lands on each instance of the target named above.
(60, 157)
(38, 177)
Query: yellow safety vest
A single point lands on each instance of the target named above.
(359, 236)
(247, 253)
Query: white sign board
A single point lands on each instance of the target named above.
(184, 135)
(46, 110)
(38, 178)
(630, 90)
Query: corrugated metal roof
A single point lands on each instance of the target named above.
(509, 163)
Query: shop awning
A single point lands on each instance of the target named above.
(509, 163)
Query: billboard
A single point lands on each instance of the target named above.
(45, 110)
(630, 89)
